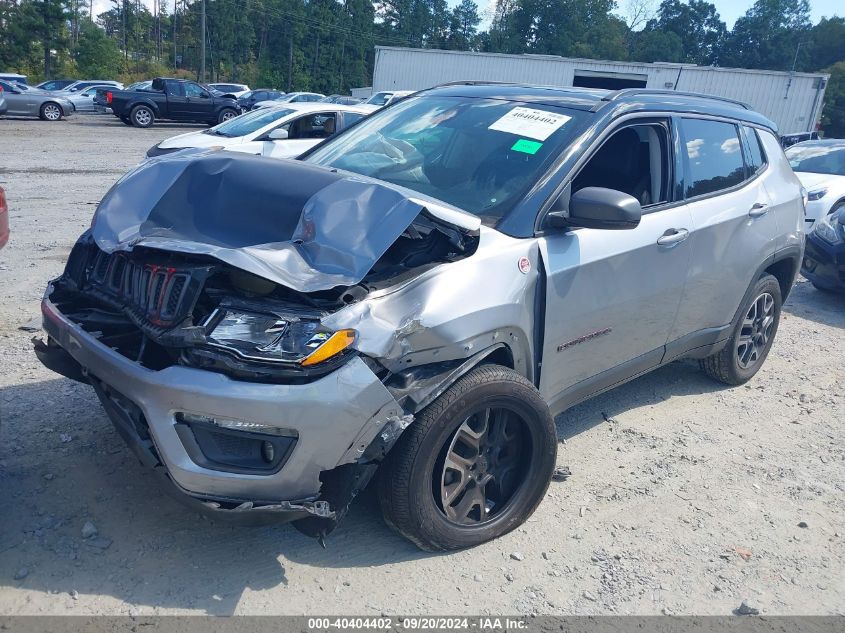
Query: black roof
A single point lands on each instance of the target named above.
(610, 102)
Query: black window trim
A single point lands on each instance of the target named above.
(747, 141)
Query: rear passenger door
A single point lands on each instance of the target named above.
(733, 230)
(177, 102)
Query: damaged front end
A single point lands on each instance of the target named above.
(205, 307)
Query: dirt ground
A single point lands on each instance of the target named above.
(685, 497)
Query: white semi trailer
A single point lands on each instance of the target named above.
(792, 100)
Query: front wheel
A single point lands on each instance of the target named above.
(141, 116)
(752, 336)
(473, 466)
(50, 112)
(226, 114)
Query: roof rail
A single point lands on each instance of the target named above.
(475, 82)
(626, 92)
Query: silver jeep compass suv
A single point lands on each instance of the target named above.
(419, 295)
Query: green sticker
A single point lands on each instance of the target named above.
(526, 147)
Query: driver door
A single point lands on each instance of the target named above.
(612, 295)
(198, 102)
(303, 134)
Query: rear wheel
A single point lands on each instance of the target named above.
(50, 112)
(752, 336)
(473, 466)
(226, 114)
(141, 116)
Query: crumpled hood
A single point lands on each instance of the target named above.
(306, 227)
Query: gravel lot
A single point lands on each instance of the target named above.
(685, 497)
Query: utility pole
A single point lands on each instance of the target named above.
(175, 65)
(202, 46)
(290, 63)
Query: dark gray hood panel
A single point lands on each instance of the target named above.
(299, 225)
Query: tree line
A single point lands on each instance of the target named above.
(328, 45)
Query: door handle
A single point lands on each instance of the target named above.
(758, 209)
(672, 237)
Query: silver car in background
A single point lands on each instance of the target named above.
(25, 101)
(83, 101)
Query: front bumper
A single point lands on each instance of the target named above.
(335, 418)
(823, 263)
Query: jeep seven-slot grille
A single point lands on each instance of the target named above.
(162, 295)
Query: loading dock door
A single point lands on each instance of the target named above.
(608, 81)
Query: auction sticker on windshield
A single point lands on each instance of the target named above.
(536, 124)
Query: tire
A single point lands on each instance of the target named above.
(50, 111)
(226, 114)
(141, 116)
(415, 476)
(752, 336)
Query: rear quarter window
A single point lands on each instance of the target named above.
(756, 155)
(713, 153)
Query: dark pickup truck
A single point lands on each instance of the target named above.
(173, 100)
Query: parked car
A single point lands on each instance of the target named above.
(235, 91)
(386, 97)
(824, 257)
(84, 100)
(283, 131)
(788, 140)
(101, 95)
(4, 219)
(82, 84)
(248, 100)
(170, 99)
(420, 294)
(3, 106)
(22, 100)
(820, 166)
(291, 97)
(14, 77)
(56, 84)
(342, 99)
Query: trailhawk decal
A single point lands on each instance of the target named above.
(584, 339)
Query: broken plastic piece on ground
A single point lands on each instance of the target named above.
(561, 474)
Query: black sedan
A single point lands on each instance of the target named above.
(824, 255)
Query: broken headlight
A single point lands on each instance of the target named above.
(275, 339)
(830, 228)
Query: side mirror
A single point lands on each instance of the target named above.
(205, 95)
(279, 134)
(599, 208)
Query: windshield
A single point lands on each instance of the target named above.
(249, 122)
(480, 155)
(818, 159)
(380, 98)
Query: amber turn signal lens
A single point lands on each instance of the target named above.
(335, 344)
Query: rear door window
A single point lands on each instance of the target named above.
(713, 156)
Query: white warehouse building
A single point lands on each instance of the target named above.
(792, 100)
